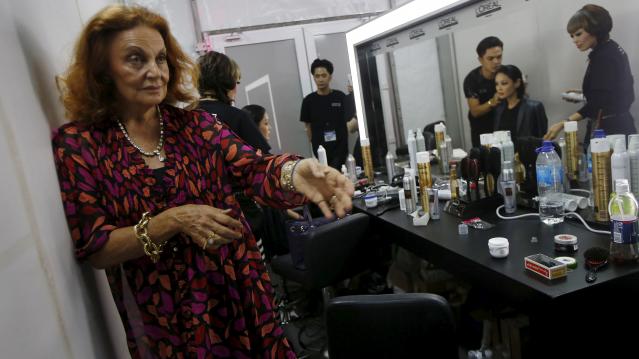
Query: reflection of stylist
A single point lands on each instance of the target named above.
(517, 113)
(608, 83)
(479, 88)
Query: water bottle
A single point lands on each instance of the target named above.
(321, 155)
(549, 184)
(623, 210)
(619, 162)
(351, 168)
(390, 166)
(421, 142)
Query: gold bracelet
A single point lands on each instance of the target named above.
(286, 178)
(151, 249)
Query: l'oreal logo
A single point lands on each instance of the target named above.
(447, 22)
(392, 42)
(416, 33)
(487, 7)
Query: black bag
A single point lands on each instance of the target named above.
(298, 233)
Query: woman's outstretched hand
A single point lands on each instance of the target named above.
(553, 131)
(324, 186)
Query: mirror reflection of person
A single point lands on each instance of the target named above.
(517, 113)
(146, 190)
(479, 88)
(323, 114)
(608, 82)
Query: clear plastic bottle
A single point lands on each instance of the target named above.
(321, 155)
(623, 210)
(549, 184)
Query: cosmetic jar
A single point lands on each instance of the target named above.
(498, 247)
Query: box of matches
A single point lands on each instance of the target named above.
(545, 266)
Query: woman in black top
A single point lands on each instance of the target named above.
(516, 113)
(219, 77)
(608, 82)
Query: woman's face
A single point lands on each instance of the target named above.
(583, 40)
(139, 67)
(505, 86)
(265, 127)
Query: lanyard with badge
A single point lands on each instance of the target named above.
(330, 135)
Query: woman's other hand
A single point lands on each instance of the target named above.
(553, 131)
(207, 226)
(324, 186)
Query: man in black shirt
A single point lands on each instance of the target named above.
(479, 88)
(323, 113)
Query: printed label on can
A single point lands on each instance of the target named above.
(624, 232)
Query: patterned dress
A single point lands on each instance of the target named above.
(193, 303)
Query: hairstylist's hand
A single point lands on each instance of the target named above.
(553, 131)
(324, 186)
(207, 226)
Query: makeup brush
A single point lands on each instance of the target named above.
(473, 174)
(596, 257)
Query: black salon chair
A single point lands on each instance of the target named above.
(326, 254)
(412, 325)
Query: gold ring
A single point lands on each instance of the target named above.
(210, 240)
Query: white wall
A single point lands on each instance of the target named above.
(222, 14)
(50, 306)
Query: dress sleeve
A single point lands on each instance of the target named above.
(257, 173)
(89, 224)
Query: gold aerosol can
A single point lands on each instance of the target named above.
(572, 154)
(425, 179)
(454, 186)
(601, 177)
(440, 136)
(368, 160)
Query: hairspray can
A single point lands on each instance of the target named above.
(572, 154)
(601, 175)
(390, 166)
(409, 196)
(454, 186)
(509, 187)
(425, 179)
(440, 135)
(434, 207)
(368, 159)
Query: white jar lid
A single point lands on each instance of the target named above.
(565, 239)
(364, 142)
(498, 242)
